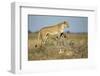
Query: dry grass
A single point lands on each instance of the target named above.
(75, 46)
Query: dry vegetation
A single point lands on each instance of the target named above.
(74, 46)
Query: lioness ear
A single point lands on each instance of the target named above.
(65, 22)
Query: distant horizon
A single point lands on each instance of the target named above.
(64, 31)
(77, 24)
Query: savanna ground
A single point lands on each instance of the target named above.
(74, 46)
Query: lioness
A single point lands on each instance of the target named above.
(51, 30)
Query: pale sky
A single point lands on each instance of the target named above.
(77, 24)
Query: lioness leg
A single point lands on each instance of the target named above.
(44, 38)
